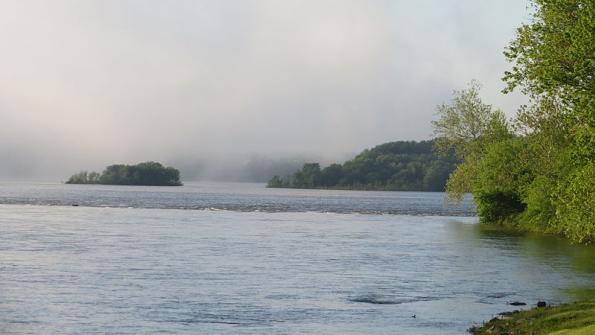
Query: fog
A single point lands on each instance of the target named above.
(214, 85)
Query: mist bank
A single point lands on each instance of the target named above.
(275, 78)
(54, 166)
(252, 168)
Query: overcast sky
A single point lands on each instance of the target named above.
(88, 83)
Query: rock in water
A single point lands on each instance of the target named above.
(517, 303)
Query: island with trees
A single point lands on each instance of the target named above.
(393, 166)
(146, 173)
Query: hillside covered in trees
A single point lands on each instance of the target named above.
(147, 173)
(395, 166)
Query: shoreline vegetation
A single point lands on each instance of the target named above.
(393, 166)
(577, 318)
(141, 174)
(536, 171)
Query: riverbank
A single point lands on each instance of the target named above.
(576, 318)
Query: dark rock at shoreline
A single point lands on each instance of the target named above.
(517, 303)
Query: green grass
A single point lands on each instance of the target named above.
(569, 319)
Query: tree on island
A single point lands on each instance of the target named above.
(146, 173)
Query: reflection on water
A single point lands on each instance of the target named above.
(579, 293)
(546, 249)
(81, 269)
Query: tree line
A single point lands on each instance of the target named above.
(395, 166)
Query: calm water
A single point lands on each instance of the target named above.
(241, 259)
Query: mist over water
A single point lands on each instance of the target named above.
(231, 93)
(208, 84)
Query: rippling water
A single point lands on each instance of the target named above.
(250, 260)
(232, 196)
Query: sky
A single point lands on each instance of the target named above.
(85, 84)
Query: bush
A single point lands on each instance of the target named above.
(498, 207)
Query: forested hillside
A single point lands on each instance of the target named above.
(402, 165)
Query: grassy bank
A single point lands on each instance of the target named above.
(569, 319)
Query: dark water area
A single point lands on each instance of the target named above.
(258, 261)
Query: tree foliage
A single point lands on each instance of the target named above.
(553, 60)
(537, 173)
(463, 122)
(403, 165)
(84, 177)
(468, 127)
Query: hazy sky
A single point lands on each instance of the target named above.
(87, 83)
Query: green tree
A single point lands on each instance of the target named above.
(553, 60)
(468, 127)
(463, 122)
(501, 177)
(541, 177)
(79, 178)
(331, 175)
(93, 177)
(277, 181)
(308, 176)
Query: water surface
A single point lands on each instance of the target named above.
(232, 196)
(321, 266)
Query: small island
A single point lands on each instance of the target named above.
(146, 174)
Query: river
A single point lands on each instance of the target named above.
(237, 258)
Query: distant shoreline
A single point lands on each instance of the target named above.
(369, 189)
